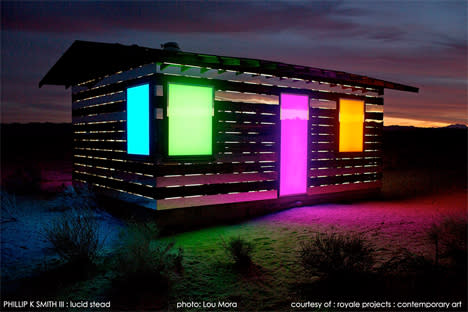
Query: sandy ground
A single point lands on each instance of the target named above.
(386, 225)
(24, 247)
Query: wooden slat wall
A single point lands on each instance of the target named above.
(245, 163)
(245, 166)
(99, 135)
(328, 168)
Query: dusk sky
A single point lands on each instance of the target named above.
(418, 43)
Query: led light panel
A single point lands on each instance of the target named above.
(138, 132)
(351, 125)
(294, 117)
(190, 113)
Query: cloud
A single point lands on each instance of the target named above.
(402, 43)
(175, 17)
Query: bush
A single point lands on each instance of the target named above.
(450, 241)
(407, 262)
(75, 237)
(239, 250)
(145, 260)
(9, 208)
(336, 255)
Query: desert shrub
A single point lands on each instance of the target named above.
(239, 250)
(450, 241)
(334, 254)
(405, 261)
(144, 259)
(75, 236)
(74, 197)
(9, 207)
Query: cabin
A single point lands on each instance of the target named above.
(208, 137)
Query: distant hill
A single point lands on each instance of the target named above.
(457, 126)
(400, 128)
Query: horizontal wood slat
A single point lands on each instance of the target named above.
(252, 156)
(331, 146)
(118, 96)
(117, 174)
(333, 154)
(322, 112)
(333, 163)
(110, 135)
(122, 185)
(107, 89)
(214, 178)
(215, 199)
(119, 106)
(314, 129)
(242, 117)
(88, 152)
(134, 166)
(212, 189)
(227, 126)
(319, 114)
(165, 169)
(316, 181)
(104, 126)
(100, 117)
(314, 172)
(244, 138)
(246, 107)
(101, 144)
(374, 115)
(245, 147)
(318, 190)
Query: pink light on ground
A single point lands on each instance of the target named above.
(294, 117)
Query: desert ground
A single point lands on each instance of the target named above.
(402, 231)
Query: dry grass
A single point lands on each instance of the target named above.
(9, 207)
(75, 236)
(335, 254)
(449, 238)
(239, 250)
(145, 259)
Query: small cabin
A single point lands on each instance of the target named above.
(209, 136)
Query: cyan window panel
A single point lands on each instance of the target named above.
(138, 120)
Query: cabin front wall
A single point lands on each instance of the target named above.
(245, 164)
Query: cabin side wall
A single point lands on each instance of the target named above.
(247, 138)
(100, 142)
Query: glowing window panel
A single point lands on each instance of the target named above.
(294, 117)
(190, 113)
(138, 122)
(351, 125)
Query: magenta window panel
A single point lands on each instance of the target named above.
(294, 117)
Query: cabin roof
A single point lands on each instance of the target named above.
(86, 60)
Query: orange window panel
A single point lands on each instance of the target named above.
(351, 125)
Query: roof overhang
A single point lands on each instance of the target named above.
(86, 60)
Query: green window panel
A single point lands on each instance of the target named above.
(190, 113)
